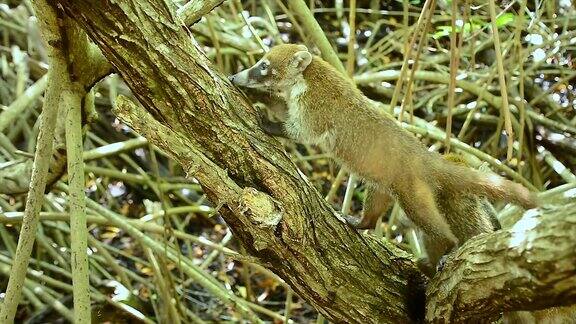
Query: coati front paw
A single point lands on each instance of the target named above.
(426, 267)
(441, 263)
(273, 128)
(358, 222)
(443, 259)
(352, 221)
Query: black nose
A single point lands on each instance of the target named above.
(231, 78)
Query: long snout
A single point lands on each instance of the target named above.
(240, 78)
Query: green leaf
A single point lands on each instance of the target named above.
(505, 19)
(442, 31)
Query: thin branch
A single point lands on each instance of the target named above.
(194, 10)
(73, 107)
(505, 110)
(318, 36)
(428, 5)
(454, 62)
(17, 107)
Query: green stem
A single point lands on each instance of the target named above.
(15, 110)
(115, 148)
(505, 110)
(78, 231)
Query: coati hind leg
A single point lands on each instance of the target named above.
(376, 202)
(417, 200)
(433, 254)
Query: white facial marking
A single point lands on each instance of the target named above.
(241, 78)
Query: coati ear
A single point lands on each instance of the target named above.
(301, 60)
(302, 47)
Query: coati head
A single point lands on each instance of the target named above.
(277, 71)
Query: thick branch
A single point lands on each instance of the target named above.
(193, 114)
(527, 267)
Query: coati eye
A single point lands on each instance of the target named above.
(263, 66)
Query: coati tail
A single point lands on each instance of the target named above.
(491, 186)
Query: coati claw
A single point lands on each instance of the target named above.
(358, 222)
(444, 258)
(352, 221)
(441, 263)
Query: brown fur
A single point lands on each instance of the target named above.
(327, 109)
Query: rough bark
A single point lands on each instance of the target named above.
(194, 114)
(530, 266)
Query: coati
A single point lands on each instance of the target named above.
(325, 108)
